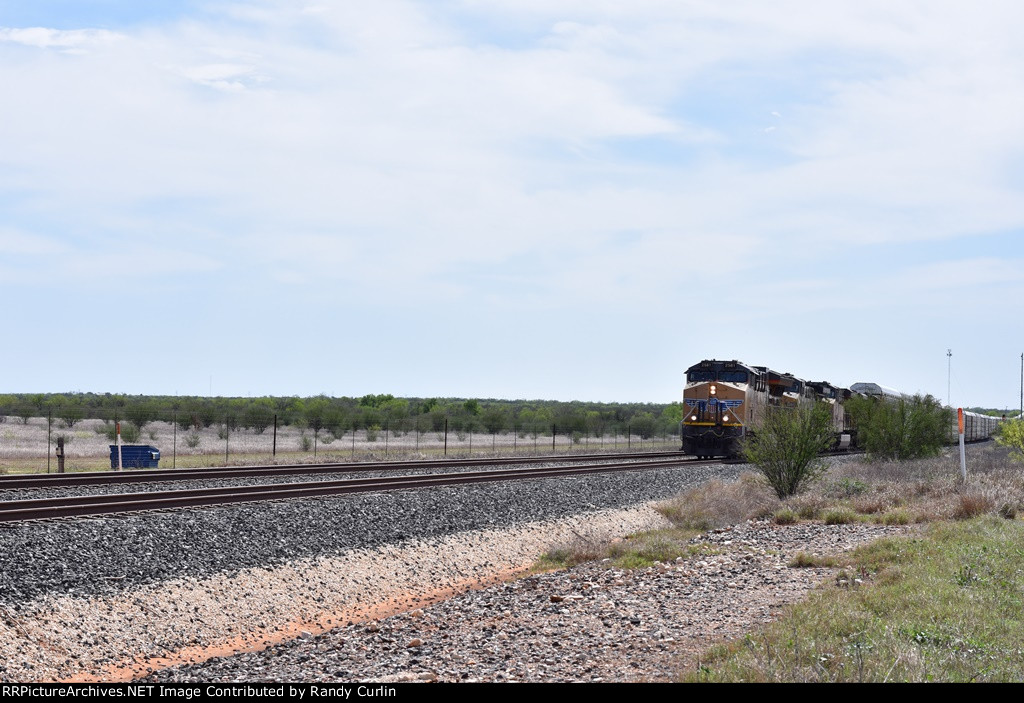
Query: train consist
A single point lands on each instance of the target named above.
(726, 401)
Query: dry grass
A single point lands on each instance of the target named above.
(632, 552)
(888, 493)
(719, 504)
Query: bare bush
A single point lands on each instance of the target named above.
(719, 504)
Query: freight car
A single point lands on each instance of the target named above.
(725, 401)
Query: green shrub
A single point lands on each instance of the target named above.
(908, 428)
(899, 516)
(1011, 435)
(839, 516)
(130, 433)
(787, 449)
(803, 560)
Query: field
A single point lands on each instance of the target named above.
(29, 447)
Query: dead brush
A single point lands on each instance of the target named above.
(972, 505)
(719, 504)
(809, 506)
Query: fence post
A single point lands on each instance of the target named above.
(446, 436)
(274, 449)
(174, 449)
(554, 433)
(49, 422)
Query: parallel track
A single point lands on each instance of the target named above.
(76, 506)
(160, 475)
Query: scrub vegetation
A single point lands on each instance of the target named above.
(787, 447)
(942, 603)
(908, 428)
(633, 552)
(944, 606)
(1011, 436)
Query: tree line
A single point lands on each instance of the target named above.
(342, 415)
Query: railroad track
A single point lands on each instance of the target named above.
(77, 506)
(161, 475)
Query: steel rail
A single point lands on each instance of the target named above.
(160, 475)
(44, 508)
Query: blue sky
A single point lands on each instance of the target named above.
(560, 199)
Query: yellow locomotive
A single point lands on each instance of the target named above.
(724, 401)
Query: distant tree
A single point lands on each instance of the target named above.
(315, 413)
(643, 425)
(259, 415)
(375, 401)
(395, 409)
(495, 419)
(71, 415)
(141, 414)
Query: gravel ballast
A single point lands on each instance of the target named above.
(83, 596)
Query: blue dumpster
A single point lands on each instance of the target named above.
(135, 456)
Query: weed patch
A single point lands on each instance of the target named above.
(633, 552)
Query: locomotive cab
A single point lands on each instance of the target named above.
(720, 401)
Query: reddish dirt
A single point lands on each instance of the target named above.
(276, 634)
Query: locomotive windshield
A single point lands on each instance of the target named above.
(700, 376)
(726, 376)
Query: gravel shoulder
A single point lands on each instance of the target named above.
(399, 586)
(587, 624)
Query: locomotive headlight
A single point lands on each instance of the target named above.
(725, 418)
(694, 418)
(714, 389)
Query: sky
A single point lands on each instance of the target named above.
(568, 199)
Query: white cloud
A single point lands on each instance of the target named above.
(70, 41)
(392, 138)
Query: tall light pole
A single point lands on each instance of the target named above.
(949, 375)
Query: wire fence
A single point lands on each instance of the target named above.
(54, 442)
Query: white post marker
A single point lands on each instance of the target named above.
(963, 456)
(119, 445)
